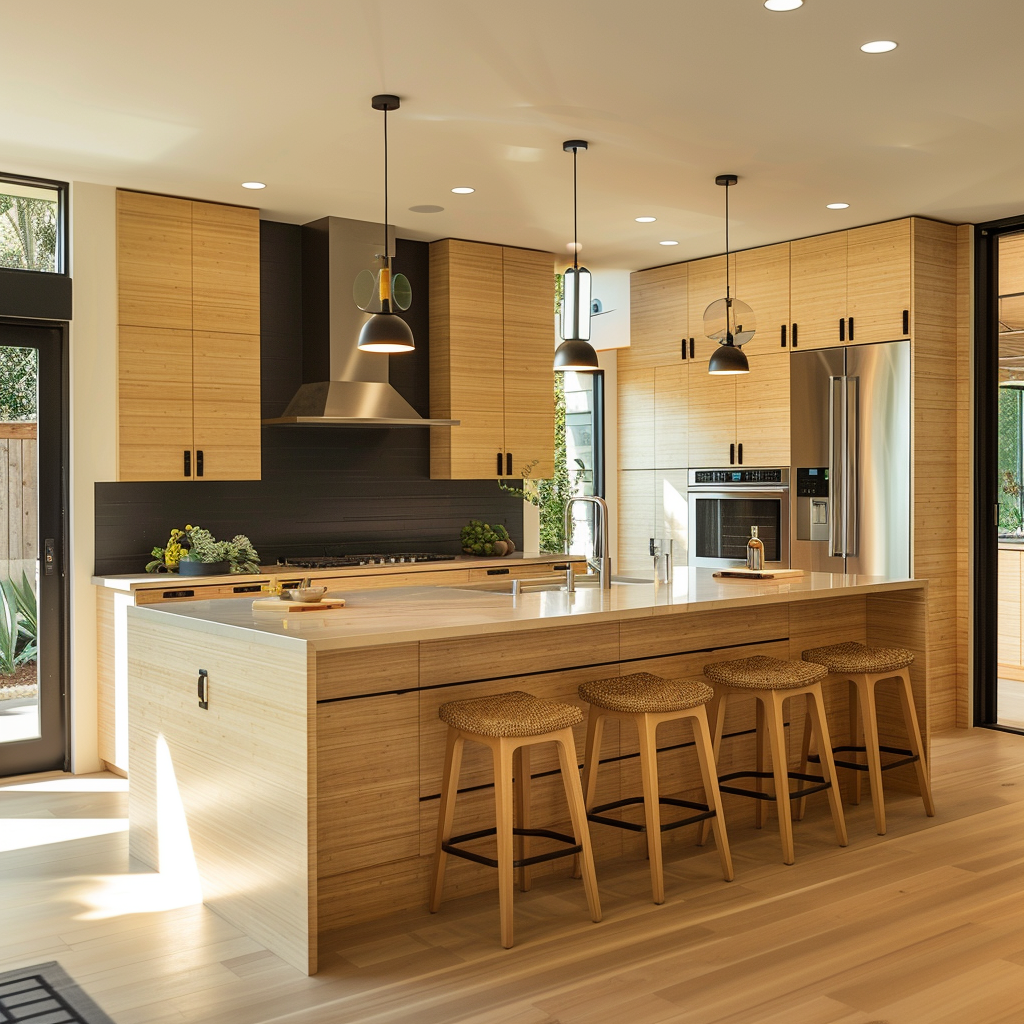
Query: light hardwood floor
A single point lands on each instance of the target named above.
(922, 926)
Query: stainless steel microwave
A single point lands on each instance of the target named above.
(723, 504)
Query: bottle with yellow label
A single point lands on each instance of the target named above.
(755, 551)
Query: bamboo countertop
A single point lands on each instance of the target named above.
(401, 614)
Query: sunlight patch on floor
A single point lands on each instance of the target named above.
(24, 833)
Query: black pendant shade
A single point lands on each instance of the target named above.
(576, 355)
(728, 358)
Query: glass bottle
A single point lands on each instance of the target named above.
(755, 551)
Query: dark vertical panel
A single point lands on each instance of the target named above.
(323, 488)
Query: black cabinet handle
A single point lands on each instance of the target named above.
(188, 463)
(499, 463)
(732, 455)
(204, 689)
(199, 462)
(851, 328)
(794, 336)
(691, 348)
(783, 337)
(682, 345)
(497, 572)
(906, 321)
(739, 451)
(254, 588)
(508, 463)
(842, 329)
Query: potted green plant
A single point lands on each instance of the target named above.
(195, 552)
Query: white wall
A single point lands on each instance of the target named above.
(93, 419)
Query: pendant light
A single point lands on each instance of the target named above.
(386, 331)
(575, 352)
(728, 321)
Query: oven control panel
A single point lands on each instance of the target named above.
(738, 476)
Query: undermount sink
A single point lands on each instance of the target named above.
(540, 585)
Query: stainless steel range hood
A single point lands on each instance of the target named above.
(345, 387)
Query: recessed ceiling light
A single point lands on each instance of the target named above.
(837, 206)
(879, 46)
(783, 5)
(645, 220)
(668, 242)
(463, 190)
(253, 184)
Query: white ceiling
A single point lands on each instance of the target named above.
(193, 98)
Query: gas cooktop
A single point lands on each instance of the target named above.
(346, 561)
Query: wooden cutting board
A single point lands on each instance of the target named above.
(758, 574)
(281, 607)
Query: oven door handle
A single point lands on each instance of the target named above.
(733, 491)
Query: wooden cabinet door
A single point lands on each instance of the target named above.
(225, 268)
(528, 296)
(636, 418)
(762, 410)
(878, 281)
(762, 282)
(658, 315)
(705, 283)
(154, 261)
(226, 405)
(154, 404)
(637, 520)
(817, 274)
(711, 417)
(466, 359)
(670, 416)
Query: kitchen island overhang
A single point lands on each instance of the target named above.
(306, 790)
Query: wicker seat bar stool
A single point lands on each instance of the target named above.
(647, 701)
(864, 668)
(771, 681)
(511, 723)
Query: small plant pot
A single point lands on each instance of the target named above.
(203, 568)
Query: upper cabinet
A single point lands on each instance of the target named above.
(491, 351)
(706, 283)
(761, 280)
(188, 340)
(852, 287)
(658, 326)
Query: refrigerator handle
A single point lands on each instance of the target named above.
(851, 539)
(836, 501)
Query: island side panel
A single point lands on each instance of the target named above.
(228, 786)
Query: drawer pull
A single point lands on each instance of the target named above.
(169, 594)
(254, 588)
(497, 572)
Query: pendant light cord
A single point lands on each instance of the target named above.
(575, 234)
(387, 234)
(727, 295)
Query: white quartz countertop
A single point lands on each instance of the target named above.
(405, 614)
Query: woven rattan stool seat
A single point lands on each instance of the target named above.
(509, 714)
(855, 658)
(761, 673)
(643, 693)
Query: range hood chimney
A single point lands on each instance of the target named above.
(345, 387)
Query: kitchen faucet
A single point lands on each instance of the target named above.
(601, 560)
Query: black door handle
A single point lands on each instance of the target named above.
(906, 321)
(499, 463)
(682, 342)
(842, 329)
(851, 328)
(508, 463)
(199, 462)
(739, 451)
(691, 348)
(732, 455)
(783, 341)
(188, 463)
(794, 336)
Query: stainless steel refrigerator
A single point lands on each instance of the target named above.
(850, 478)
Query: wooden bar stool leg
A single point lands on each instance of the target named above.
(502, 749)
(916, 744)
(759, 764)
(446, 811)
(522, 795)
(866, 694)
(712, 797)
(780, 767)
(805, 758)
(816, 705)
(856, 737)
(652, 808)
(566, 745)
(716, 719)
(591, 763)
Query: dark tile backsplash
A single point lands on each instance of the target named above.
(341, 489)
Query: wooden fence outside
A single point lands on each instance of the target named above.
(18, 524)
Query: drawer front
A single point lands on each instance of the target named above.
(376, 670)
(699, 631)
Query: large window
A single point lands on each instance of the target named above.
(32, 225)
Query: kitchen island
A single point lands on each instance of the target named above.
(306, 789)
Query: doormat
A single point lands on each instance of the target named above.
(45, 994)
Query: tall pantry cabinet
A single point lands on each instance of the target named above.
(188, 339)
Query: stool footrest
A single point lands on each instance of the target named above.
(908, 757)
(542, 833)
(597, 813)
(796, 794)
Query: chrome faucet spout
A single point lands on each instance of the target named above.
(601, 560)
